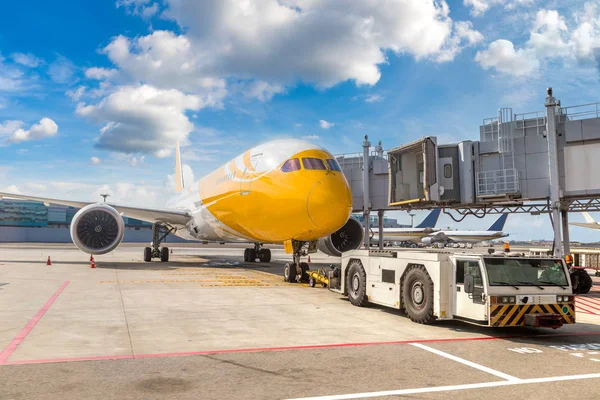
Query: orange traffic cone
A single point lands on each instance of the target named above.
(91, 258)
(93, 263)
(308, 258)
(48, 262)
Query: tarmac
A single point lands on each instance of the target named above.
(207, 325)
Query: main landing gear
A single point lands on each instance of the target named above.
(159, 233)
(298, 271)
(263, 255)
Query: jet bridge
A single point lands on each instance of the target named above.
(537, 162)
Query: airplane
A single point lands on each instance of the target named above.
(410, 234)
(590, 222)
(448, 236)
(288, 192)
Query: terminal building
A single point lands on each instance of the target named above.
(32, 221)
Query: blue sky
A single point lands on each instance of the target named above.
(93, 95)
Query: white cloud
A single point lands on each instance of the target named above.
(263, 91)
(281, 41)
(502, 56)
(61, 70)
(547, 34)
(75, 95)
(143, 8)
(142, 119)
(325, 125)
(552, 37)
(9, 127)
(311, 137)
(479, 7)
(45, 128)
(298, 125)
(28, 60)
(135, 161)
(12, 79)
(100, 73)
(95, 161)
(372, 98)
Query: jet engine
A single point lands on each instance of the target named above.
(348, 237)
(97, 228)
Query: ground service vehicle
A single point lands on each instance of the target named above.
(499, 289)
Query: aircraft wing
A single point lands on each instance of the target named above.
(592, 225)
(152, 215)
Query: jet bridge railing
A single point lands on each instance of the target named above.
(531, 120)
(583, 111)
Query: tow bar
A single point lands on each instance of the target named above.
(553, 321)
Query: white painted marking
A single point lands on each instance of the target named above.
(594, 359)
(466, 362)
(578, 346)
(593, 353)
(525, 350)
(577, 354)
(451, 388)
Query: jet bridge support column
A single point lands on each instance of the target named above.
(380, 219)
(366, 190)
(551, 136)
(565, 226)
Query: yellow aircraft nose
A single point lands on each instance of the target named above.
(330, 202)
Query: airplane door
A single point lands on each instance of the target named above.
(469, 305)
(249, 175)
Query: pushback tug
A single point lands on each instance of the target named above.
(497, 289)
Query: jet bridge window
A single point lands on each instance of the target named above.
(333, 165)
(293, 164)
(468, 267)
(447, 170)
(313, 163)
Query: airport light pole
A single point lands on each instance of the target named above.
(412, 215)
(104, 196)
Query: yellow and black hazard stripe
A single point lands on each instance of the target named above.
(514, 315)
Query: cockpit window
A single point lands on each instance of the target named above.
(293, 164)
(333, 165)
(313, 163)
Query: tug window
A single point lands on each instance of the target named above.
(293, 164)
(313, 163)
(333, 165)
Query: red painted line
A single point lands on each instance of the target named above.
(585, 310)
(593, 300)
(12, 346)
(587, 304)
(308, 347)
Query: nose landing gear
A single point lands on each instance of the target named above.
(263, 255)
(298, 271)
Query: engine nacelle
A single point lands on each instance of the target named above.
(97, 229)
(348, 237)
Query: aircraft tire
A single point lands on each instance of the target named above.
(304, 276)
(417, 295)
(289, 273)
(164, 254)
(147, 254)
(247, 255)
(264, 255)
(357, 284)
